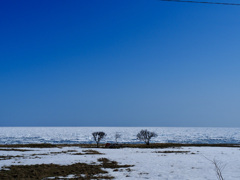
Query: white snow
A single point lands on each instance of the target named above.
(148, 164)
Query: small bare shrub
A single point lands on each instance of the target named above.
(117, 136)
(219, 166)
(145, 135)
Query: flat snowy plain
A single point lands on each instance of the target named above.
(148, 163)
(193, 164)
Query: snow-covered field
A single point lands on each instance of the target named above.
(186, 163)
(193, 164)
(69, 135)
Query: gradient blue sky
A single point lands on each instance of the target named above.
(119, 63)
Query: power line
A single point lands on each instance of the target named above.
(203, 2)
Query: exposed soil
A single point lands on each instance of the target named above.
(44, 154)
(74, 152)
(181, 152)
(106, 163)
(173, 145)
(43, 145)
(90, 151)
(22, 150)
(9, 157)
(80, 170)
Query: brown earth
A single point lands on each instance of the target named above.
(41, 171)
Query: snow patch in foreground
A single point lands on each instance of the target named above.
(167, 164)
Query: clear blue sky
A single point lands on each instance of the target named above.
(119, 63)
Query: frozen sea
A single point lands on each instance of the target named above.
(71, 135)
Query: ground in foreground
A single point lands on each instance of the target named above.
(72, 162)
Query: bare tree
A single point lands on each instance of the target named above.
(117, 136)
(145, 135)
(98, 136)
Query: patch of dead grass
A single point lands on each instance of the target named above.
(90, 151)
(12, 149)
(152, 145)
(79, 170)
(176, 152)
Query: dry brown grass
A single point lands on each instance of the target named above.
(80, 170)
(153, 145)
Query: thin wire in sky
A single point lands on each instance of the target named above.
(203, 2)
